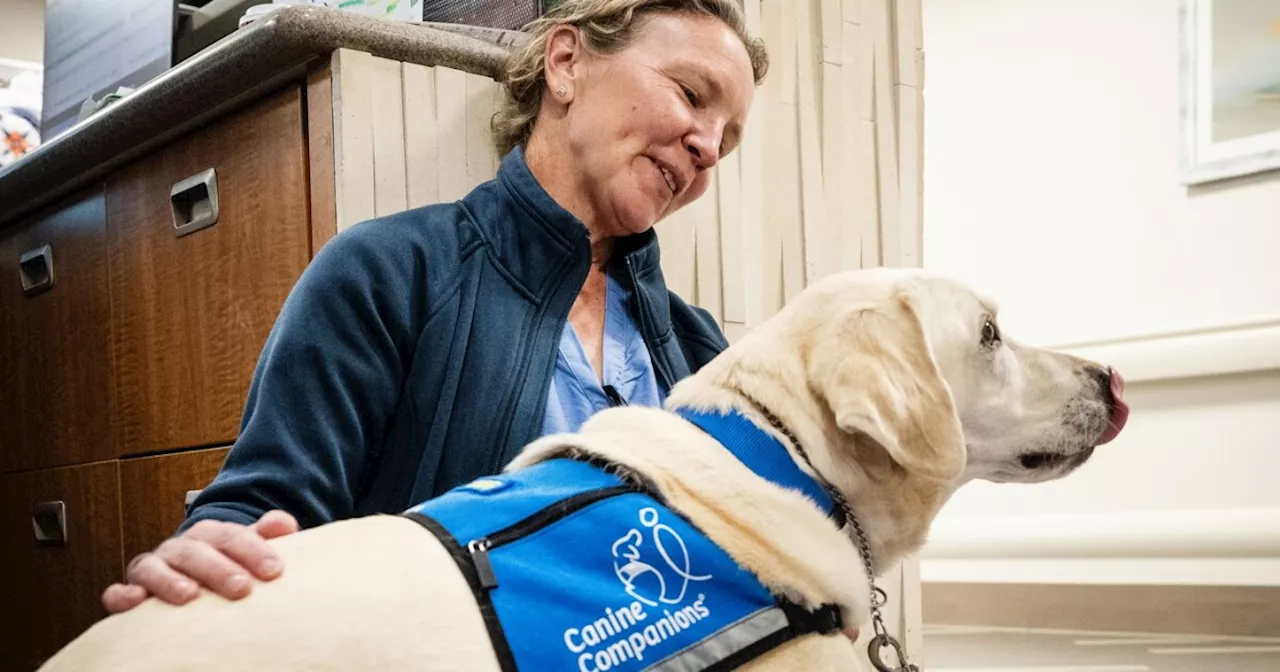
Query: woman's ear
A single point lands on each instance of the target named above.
(563, 60)
(880, 378)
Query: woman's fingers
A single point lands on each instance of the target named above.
(222, 557)
(120, 597)
(152, 572)
(275, 523)
(242, 545)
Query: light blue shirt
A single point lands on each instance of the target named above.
(576, 393)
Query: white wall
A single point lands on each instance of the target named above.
(1051, 182)
(22, 30)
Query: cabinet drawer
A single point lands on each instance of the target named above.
(55, 368)
(153, 494)
(59, 549)
(192, 307)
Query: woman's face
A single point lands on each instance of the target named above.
(645, 126)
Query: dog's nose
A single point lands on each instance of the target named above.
(1102, 376)
(1112, 384)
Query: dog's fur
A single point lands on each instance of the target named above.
(890, 381)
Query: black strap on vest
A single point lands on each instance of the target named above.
(824, 620)
(497, 637)
(821, 621)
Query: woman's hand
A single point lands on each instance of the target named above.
(223, 557)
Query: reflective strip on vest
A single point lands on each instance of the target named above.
(733, 639)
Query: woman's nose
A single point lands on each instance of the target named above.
(704, 148)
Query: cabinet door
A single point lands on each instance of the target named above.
(55, 373)
(192, 307)
(59, 549)
(153, 494)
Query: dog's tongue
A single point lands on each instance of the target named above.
(1119, 411)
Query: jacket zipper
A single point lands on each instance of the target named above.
(647, 329)
(479, 548)
(523, 372)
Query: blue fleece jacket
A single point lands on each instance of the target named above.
(415, 353)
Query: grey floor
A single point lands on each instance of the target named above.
(993, 649)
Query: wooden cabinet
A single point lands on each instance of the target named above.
(192, 310)
(55, 376)
(116, 381)
(127, 345)
(59, 548)
(153, 494)
(66, 534)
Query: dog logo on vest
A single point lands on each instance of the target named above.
(667, 577)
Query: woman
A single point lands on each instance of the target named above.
(421, 350)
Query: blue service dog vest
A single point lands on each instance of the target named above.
(573, 569)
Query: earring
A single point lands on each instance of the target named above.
(561, 90)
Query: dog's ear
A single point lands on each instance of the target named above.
(882, 380)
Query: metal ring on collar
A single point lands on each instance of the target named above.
(881, 642)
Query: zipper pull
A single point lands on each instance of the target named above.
(479, 550)
(615, 399)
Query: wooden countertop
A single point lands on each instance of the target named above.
(229, 74)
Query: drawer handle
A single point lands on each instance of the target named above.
(195, 203)
(49, 521)
(191, 497)
(36, 269)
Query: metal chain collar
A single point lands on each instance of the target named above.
(883, 639)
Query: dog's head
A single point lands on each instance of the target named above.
(919, 365)
(902, 387)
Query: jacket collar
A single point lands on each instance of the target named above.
(539, 243)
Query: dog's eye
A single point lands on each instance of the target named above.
(990, 334)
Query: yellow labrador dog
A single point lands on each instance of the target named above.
(889, 388)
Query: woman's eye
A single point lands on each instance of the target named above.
(691, 96)
(990, 334)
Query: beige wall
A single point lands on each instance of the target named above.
(1053, 173)
(828, 177)
(22, 30)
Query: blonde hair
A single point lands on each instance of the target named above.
(606, 27)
